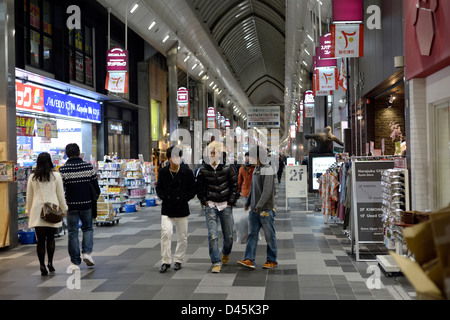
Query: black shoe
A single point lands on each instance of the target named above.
(44, 271)
(164, 267)
(50, 267)
(177, 266)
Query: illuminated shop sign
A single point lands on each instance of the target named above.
(37, 99)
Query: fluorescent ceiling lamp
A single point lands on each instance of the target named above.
(152, 25)
(134, 8)
(165, 39)
(201, 72)
(310, 38)
(307, 52)
(211, 84)
(194, 66)
(305, 63)
(187, 58)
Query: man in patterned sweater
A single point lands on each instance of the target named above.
(79, 177)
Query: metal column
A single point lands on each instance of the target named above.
(8, 191)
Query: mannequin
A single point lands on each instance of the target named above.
(324, 141)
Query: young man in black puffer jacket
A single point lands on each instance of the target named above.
(217, 186)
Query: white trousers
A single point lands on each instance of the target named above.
(181, 225)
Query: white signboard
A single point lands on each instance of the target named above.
(263, 117)
(320, 166)
(296, 183)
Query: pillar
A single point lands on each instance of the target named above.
(8, 149)
(172, 60)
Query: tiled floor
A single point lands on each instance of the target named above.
(314, 264)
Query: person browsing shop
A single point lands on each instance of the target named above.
(217, 190)
(262, 213)
(175, 187)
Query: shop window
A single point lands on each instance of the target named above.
(38, 33)
(81, 60)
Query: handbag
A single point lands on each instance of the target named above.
(50, 212)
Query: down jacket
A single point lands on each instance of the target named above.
(218, 185)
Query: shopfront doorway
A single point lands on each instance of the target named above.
(442, 152)
(119, 139)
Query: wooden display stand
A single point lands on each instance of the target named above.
(4, 202)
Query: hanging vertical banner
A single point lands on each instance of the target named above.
(309, 104)
(325, 46)
(326, 79)
(117, 82)
(319, 93)
(343, 76)
(117, 67)
(184, 109)
(211, 118)
(347, 40)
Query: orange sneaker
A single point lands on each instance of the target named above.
(246, 263)
(269, 265)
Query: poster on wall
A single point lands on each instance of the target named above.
(47, 128)
(79, 67)
(347, 40)
(25, 126)
(319, 166)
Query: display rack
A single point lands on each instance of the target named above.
(22, 181)
(134, 182)
(149, 171)
(112, 184)
(395, 198)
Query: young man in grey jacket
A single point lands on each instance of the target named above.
(262, 214)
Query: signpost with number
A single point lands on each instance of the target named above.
(296, 183)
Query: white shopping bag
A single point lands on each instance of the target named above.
(240, 216)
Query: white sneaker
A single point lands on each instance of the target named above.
(87, 258)
(73, 267)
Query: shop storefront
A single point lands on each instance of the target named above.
(48, 119)
(428, 74)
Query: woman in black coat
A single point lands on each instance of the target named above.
(175, 187)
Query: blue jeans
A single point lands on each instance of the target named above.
(212, 223)
(73, 217)
(256, 221)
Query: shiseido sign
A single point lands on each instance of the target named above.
(117, 60)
